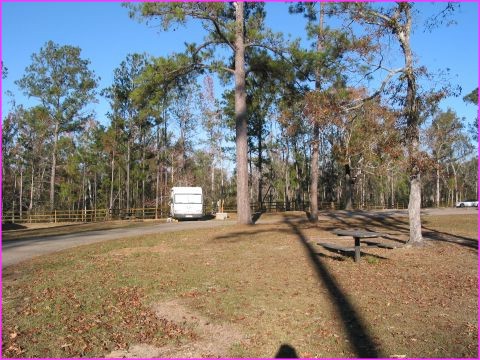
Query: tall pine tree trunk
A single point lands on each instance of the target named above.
(212, 179)
(314, 174)
(157, 183)
(259, 166)
(127, 206)
(243, 204)
(112, 180)
(32, 189)
(287, 176)
(20, 194)
(54, 166)
(316, 135)
(143, 176)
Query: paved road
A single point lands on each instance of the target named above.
(16, 251)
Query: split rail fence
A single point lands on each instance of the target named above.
(97, 215)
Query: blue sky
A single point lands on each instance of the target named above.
(106, 35)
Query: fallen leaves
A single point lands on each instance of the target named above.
(14, 350)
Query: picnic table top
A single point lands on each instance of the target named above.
(358, 233)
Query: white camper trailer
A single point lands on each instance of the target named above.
(186, 203)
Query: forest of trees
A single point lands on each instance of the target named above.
(301, 126)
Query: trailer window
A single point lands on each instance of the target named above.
(188, 199)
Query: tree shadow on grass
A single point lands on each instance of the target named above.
(12, 226)
(358, 334)
(395, 225)
(348, 252)
(435, 235)
(370, 221)
(256, 216)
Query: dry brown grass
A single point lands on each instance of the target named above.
(263, 286)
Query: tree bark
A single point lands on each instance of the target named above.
(259, 166)
(316, 134)
(40, 185)
(243, 204)
(54, 166)
(128, 176)
(84, 193)
(157, 183)
(20, 194)
(455, 184)
(348, 188)
(392, 189)
(32, 189)
(212, 179)
(414, 206)
(112, 180)
(412, 131)
(13, 197)
(90, 193)
(314, 174)
(287, 176)
(143, 176)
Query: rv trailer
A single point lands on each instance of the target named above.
(186, 203)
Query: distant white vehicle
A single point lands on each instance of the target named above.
(186, 203)
(467, 203)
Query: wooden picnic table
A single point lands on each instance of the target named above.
(357, 235)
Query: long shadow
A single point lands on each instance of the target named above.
(358, 334)
(389, 221)
(435, 235)
(393, 223)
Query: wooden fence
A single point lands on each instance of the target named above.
(96, 215)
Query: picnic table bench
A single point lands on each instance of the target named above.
(357, 235)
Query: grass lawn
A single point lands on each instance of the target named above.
(251, 291)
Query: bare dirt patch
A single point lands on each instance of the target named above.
(214, 340)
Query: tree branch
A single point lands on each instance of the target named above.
(356, 104)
